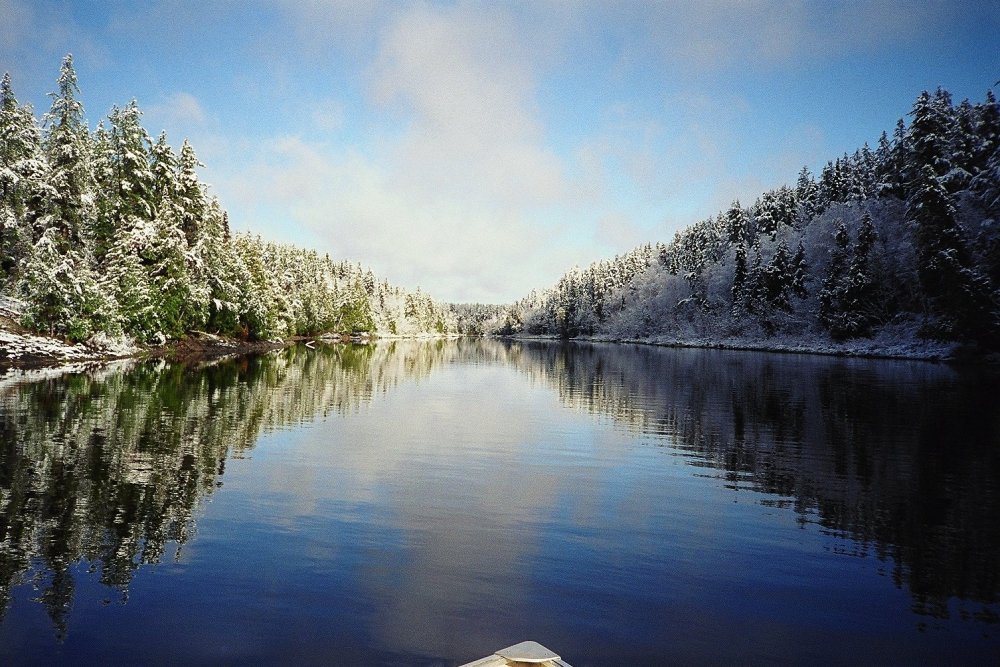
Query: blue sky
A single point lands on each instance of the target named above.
(480, 149)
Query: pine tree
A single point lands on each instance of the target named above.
(806, 192)
(127, 280)
(163, 167)
(958, 293)
(864, 173)
(257, 299)
(129, 158)
(61, 291)
(777, 278)
(965, 144)
(987, 182)
(191, 194)
(739, 288)
(22, 180)
(182, 303)
(929, 135)
(67, 149)
(756, 293)
(858, 308)
(800, 272)
(220, 270)
(737, 224)
(765, 221)
(101, 231)
(988, 129)
(887, 169)
(831, 294)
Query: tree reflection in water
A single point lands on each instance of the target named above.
(901, 458)
(107, 467)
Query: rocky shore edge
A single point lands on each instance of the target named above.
(22, 349)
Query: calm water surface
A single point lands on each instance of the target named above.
(427, 503)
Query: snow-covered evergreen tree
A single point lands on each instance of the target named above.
(22, 180)
(163, 166)
(190, 194)
(957, 292)
(830, 296)
(61, 291)
(67, 147)
(777, 279)
(800, 270)
(858, 310)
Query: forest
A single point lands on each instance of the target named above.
(888, 249)
(111, 233)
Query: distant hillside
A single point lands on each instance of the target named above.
(110, 232)
(892, 250)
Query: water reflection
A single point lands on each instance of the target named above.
(109, 466)
(902, 458)
(899, 461)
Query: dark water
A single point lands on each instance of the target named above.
(427, 503)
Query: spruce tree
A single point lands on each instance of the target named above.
(958, 294)
(800, 272)
(190, 193)
(739, 288)
(806, 192)
(68, 151)
(858, 308)
(132, 178)
(830, 296)
(22, 181)
(163, 172)
(62, 291)
(756, 294)
(777, 278)
(737, 224)
(929, 135)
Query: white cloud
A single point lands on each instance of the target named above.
(327, 114)
(454, 181)
(456, 201)
(357, 208)
(468, 88)
(177, 109)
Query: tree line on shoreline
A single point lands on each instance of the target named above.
(898, 244)
(111, 233)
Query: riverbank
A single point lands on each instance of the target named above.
(23, 349)
(869, 349)
(889, 344)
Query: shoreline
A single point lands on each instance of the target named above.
(23, 350)
(931, 352)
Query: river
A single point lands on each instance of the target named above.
(425, 503)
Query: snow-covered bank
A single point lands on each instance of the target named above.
(26, 349)
(20, 349)
(887, 345)
(919, 351)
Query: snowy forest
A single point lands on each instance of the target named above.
(892, 249)
(109, 233)
(888, 249)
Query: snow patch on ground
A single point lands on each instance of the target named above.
(18, 347)
(889, 343)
